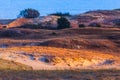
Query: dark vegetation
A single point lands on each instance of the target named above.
(60, 75)
(32, 26)
(63, 23)
(94, 24)
(61, 14)
(54, 33)
(29, 13)
(81, 25)
(10, 33)
(116, 22)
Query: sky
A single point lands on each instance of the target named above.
(10, 9)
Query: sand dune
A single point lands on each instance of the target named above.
(50, 58)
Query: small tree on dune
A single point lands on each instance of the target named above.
(29, 13)
(63, 23)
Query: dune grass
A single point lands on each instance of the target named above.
(61, 75)
(10, 65)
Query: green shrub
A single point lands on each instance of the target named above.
(94, 24)
(63, 23)
(60, 14)
(117, 24)
(29, 13)
(54, 33)
(81, 25)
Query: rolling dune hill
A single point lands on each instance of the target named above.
(106, 18)
(82, 38)
(82, 48)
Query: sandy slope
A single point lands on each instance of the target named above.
(90, 48)
(50, 58)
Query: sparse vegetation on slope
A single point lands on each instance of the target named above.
(11, 65)
(61, 75)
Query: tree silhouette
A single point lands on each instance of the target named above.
(29, 13)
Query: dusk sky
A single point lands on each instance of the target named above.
(11, 8)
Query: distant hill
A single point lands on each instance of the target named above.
(105, 18)
(46, 21)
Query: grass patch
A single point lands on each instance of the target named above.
(10, 65)
(60, 74)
